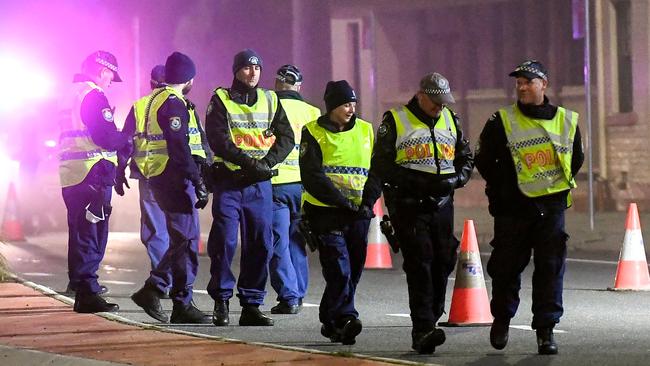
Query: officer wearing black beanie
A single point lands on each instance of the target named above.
(335, 155)
(168, 153)
(250, 134)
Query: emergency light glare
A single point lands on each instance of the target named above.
(24, 82)
(50, 143)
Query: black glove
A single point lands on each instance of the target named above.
(120, 182)
(365, 212)
(206, 174)
(257, 170)
(201, 194)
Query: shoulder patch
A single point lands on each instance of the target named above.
(383, 130)
(107, 113)
(175, 123)
(303, 149)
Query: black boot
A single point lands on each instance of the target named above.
(425, 342)
(252, 316)
(283, 307)
(188, 314)
(328, 331)
(148, 298)
(545, 343)
(92, 303)
(499, 333)
(220, 316)
(350, 330)
(71, 291)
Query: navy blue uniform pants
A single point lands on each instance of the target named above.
(176, 199)
(288, 268)
(426, 237)
(514, 240)
(249, 208)
(86, 240)
(153, 232)
(342, 255)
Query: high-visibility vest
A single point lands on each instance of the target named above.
(346, 159)
(250, 125)
(414, 145)
(150, 147)
(541, 150)
(78, 153)
(298, 114)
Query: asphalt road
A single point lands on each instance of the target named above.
(599, 327)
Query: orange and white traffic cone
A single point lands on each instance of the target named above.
(378, 256)
(11, 228)
(632, 272)
(202, 248)
(469, 305)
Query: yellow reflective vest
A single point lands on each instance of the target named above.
(414, 145)
(541, 150)
(298, 114)
(249, 125)
(346, 158)
(78, 152)
(150, 147)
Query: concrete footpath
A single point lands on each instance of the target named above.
(39, 327)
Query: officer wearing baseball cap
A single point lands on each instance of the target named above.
(334, 160)
(88, 141)
(168, 153)
(249, 133)
(422, 157)
(527, 198)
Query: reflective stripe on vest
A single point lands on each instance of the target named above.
(78, 153)
(249, 124)
(346, 159)
(541, 150)
(298, 113)
(150, 147)
(414, 143)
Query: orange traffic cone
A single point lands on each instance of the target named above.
(469, 305)
(202, 248)
(378, 256)
(632, 272)
(11, 227)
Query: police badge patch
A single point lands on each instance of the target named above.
(383, 129)
(175, 123)
(107, 113)
(303, 148)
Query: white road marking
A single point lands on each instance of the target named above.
(118, 282)
(527, 327)
(204, 292)
(590, 261)
(400, 315)
(38, 274)
(123, 235)
(309, 305)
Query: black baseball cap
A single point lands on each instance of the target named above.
(530, 69)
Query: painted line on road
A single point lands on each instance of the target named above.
(204, 292)
(38, 274)
(577, 260)
(112, 282)
(527, 327)
(400, 315)
(309, 305)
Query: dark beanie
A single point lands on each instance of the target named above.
(246, 57)
(158, 75)
(338, 93)
(179, 69)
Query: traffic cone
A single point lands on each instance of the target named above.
(202, 248)
(469, 305)
(378, 256)
(11, 228)
(632, 272)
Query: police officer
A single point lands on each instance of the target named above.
(529, 154)
(153, 227)
(248, 131)
(88, 141)
(422, 157)
(289, 267)
(166, 135)
(335, 154)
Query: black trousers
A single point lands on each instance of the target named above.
(426, 237)
(515, 238)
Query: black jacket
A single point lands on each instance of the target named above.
(404, 183)
(494, 162)
(218, 130)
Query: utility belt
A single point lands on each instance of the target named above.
(219, 171)
(395, 196)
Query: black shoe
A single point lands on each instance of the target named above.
(188, 314)
(93, 303)
(545, 343)
(284, 308)
(71, 291)
(252, 316)
(350, 330)
(148, 298)
(499, 333)
(425, 342)
(328, 331)
(220, 316)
